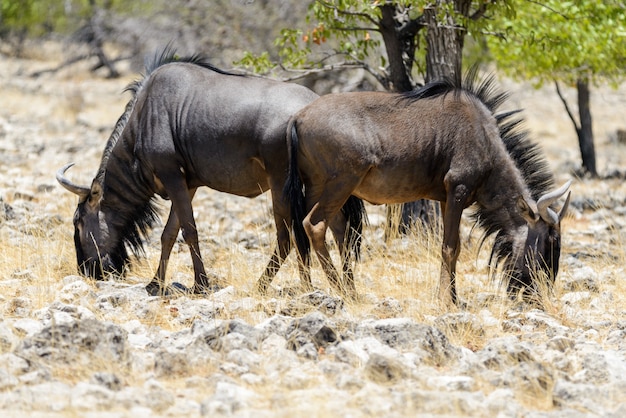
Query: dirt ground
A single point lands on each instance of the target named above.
(56, 118)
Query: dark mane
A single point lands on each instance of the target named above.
(485, 90)
(526, 155)
(167, 56)
(130, 191)
(430, 90)
(126, 189)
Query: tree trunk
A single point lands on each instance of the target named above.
(399, 39)
(444, 41)
(585, 133)
(443, 60)
(584, 130)
(96, 25)
(398, 72)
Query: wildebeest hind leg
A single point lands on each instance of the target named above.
(338, 226)
(316, 223)
(282, 219)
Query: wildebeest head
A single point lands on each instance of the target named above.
(542, 247)
(99, 245)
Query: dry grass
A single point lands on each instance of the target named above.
(397, 278)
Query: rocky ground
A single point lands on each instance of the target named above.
(74, 347)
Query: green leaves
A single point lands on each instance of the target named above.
(340, 31)
(259, 64)
(348, 33)
(562, 40)
(38, 17)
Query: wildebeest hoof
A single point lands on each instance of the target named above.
(206, 290)
(154, 289)
(174, 290)
(262, 286)
(178, 289)
(291, 291)
(353, 297)
(462, 304)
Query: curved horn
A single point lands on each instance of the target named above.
(564, 208)
(543, 204)
(82, 191)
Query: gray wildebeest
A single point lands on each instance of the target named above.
(187, 125)
(441, 142)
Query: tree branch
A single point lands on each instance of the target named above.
(76, 59)
(345, 65)
(346, 12)
(480, 12)
(412, 27)
(315, 68)
(567, 109)
(355, 29)
(553, 10)
(499, 35)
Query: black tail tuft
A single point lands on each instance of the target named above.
(354, 211)
(294, 193)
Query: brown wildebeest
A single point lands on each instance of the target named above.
(440, 142)
(187, 125)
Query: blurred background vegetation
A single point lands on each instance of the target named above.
(338, 45)
(129, 30)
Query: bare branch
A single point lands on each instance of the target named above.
(453, 27)
(355, 29)
(340, 66)
(317, 68)
(480, 12)
(326, 68)
(499, 35)
(553, 10)
(567, 109)
(348, 13)
(76, 59)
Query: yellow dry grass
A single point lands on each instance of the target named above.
(397, 277)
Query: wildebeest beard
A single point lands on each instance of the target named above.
(128, 223)
(112, 263)
(541, 259)
(530, 260)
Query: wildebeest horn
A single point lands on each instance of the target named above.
(544, 202)
(565, 205)
(82, 191)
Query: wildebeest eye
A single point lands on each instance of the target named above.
(554, 236)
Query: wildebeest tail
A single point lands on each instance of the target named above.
(354, 211)
(294, 192)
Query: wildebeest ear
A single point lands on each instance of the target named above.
(95, 195)
(528, 210)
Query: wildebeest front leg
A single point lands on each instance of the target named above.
(176, 189)
(170, 232)
(157, 286)
(451, 211)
